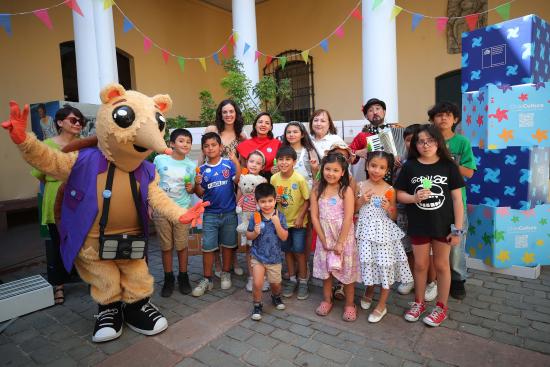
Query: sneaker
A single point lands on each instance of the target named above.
(289, 289)
(249, 284)
(144, 317)
(265, 287)
(203, 286)
(277, 302)
(257, 312)
(431, 292)
(438, 315)
(218, 273)
(238, 270)
(225, 280)
(457, 289)
(168, 286)
(183, 283)
(416, 310)
(108, 324)
(303, 292)
(405, 288)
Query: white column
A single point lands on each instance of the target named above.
(105, 44)
(244, 23)
(380, 56)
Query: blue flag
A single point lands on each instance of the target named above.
(324, 45)
(5, 22)
(246, 47)
(416, 20)
(127, 25)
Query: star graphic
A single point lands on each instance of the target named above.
(503, 211)
(499, 115)
(472, 230)
(540, 242)
(474, 108)
(481, 143)
(528, 258)
(472, 252)
(499, 236)
(529, 213)
(503, 256)
(480, 246)
(523, 97)
(543, 221)
(515, 219)
(540, 135)
(486, 238)
(506, 135)
(469, 120)
(479, 120)
(478, 222)
(488, 261)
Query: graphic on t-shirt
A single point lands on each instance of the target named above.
(437, 196)
(286, 197)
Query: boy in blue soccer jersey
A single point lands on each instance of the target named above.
(215, 182)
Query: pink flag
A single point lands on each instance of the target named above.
(165, 56)
(256, 55)
(224, 51)
(339, 31)
(441, 24)
(147, 43)
(42, 14)
(268, 60)
(74, 6)
(356, 13)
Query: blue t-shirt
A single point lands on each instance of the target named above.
(219, 190)
(173, 176)
(266, 248)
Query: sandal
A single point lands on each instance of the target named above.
(324, 308)
(339, 292)
(350, 313)
(59, 295)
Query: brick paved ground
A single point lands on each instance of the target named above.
(507, 315)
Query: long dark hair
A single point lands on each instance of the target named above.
(254, 133)
(65, 111)
(239, 122)
(306, 139)
(331, 127)
(434, 133)
(344, 180)
(380, 154)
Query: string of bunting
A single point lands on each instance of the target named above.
(42, 14)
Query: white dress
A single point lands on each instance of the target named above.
(382, 258)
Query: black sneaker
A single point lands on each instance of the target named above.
(168, 286)
(108, 324)
(277, 302)
(257, 312)
(183, 283)
(142, 316)
(457, 289)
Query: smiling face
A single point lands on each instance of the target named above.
(71, 124)
(267, 204)
(377, 168)
(263, 125)
(228, 114)
(212, 149)
(320, 125)
(285, 164)
(255, 163)
(182, 145)
(332, 172)
(293, 134)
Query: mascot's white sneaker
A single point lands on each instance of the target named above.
(108, 325)
(144, 317)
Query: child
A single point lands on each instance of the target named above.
(307, 162)
(293, 201)
(445, 116)
(215, 183)
(430, 184)
(177, 174)
(332, 207)
(267, 230)
(382, 258)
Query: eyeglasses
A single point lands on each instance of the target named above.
(428, 142)
(75, 120)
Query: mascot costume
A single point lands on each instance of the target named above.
(108, 188)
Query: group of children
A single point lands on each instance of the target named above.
(351, 226)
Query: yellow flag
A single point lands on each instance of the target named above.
(395, 11)
(203, 63)
(107, 4)
(235, 36)
(305, 56)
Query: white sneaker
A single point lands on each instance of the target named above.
(431, 292)
(405, 288)
(249, 284)
(238, 270)
(265, 288)
(226, 280)
(201, 288)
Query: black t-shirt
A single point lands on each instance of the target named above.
(431, 217)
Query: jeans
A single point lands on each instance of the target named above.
(457, 257)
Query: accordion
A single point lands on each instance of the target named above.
(384, 141)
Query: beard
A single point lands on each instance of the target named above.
(377, 120)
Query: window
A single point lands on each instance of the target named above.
(302, 103)
(68, 70)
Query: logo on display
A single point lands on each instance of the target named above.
(294, 186)
(225, 173)
(208, 170)
(434, 201)
(269, 150)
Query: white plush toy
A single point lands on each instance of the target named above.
(246, 205)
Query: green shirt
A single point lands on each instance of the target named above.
(50, 189)
(461, 151)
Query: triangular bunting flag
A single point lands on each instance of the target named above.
(282, 61)
(268, 60)
(224, 51)
(74, 6)
(441, 24)
(246, 48)
(471, 20)
(216, 58)
(181, 62)
(5, 22)
(147, 43)
(339, 31)
(232, 40)
(257, 55)
(165, 56)
(305, 56)
(376, 4)
(235, 37)
(395, 12)
(127, 25)
(356, 13)
(417, 18)
(107, 4)
(44, 17)
(203, 63)
(504, 11)
(324, 45)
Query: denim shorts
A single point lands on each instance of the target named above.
(296, 241)
(219, 230)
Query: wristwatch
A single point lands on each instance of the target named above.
(457, 232)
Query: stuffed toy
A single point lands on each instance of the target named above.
(246, 205)
(130, 125)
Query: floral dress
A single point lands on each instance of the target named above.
(331, 216)
(381, 254)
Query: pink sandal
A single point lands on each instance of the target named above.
(324, 308)
(350, 313)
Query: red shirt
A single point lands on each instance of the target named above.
(359, 142)
(268, 146)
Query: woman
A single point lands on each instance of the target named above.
(229, 125)
(47, 125)
(261, 139)
(323, 132)
(69, 122)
